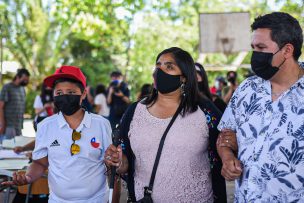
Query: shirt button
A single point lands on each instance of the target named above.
(255, 157)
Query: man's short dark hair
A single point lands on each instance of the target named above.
(21, 72)
(116, 74)
(76, 82)
(284, 29)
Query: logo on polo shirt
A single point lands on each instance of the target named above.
(55, 143)
(95, 143)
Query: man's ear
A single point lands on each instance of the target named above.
(288, 50)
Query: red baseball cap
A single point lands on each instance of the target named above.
(72, 72)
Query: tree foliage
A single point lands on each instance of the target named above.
(101, 36)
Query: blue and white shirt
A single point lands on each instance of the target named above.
(270, 136)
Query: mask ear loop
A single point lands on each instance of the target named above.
(284, 58)
(282, 63)
(85, 108)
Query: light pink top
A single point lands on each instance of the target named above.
(183, 173)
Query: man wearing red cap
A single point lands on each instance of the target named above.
(70, 144)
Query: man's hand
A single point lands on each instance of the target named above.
(48, 105)
(119, 94)
(232, 168)
(19, 178)
(18, 149)
(227, 138)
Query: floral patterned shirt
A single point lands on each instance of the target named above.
(270, 136)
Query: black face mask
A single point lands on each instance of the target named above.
(23, 83)
(166, 83)
(232, 80)
(200, 86)
(48, 92)
(68, 104)
(261, 64)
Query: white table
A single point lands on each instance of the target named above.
(18, 141)
(8, 166)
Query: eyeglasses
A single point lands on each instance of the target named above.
(75, 148)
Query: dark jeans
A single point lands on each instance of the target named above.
(20, 198)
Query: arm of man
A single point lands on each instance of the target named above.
(2, 119)
(109, 97)
(126, 99)
(34, 172)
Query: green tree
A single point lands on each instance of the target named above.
(35, 39)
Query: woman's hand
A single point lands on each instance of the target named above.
(227, 138)
(113, 156)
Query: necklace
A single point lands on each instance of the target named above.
(276, 94)
(300, 74)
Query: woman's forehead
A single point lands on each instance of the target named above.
(168, 57)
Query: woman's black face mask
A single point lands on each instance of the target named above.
(164, 82)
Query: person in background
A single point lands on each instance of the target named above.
(88, 101)
(43, 105)
(228, 91)
(100, 101)
(219, 84)
(203, 87)
(90, 95)
(145, 91)
(118, 98)
(12, 105)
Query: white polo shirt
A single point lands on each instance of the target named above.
(79, 178)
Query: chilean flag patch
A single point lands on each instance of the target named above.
(95, 143)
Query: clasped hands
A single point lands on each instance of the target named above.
(227, 143)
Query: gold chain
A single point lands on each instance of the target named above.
(300, 74)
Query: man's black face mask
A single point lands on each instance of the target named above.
(261, 64)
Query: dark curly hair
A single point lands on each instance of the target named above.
(284, 29)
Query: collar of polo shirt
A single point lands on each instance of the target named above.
(86, 121)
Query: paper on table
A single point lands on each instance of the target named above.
(13, 164)
(17, 141)
(10, 154)
(6, 172)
